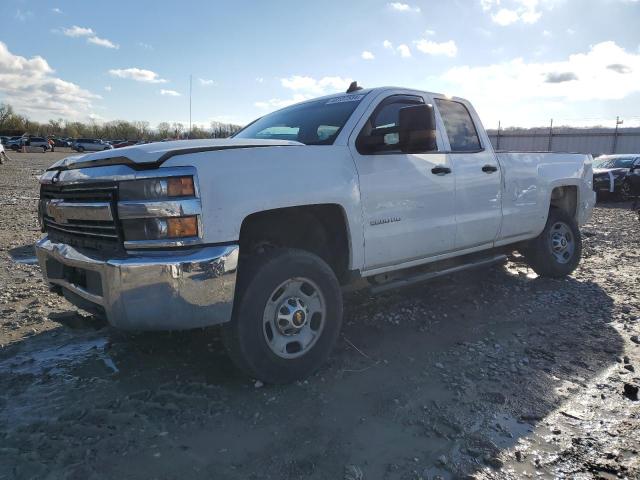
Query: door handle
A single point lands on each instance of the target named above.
(489, 169)
(440, 170)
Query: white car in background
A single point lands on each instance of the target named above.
(90, 145)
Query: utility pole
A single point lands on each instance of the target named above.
(615, 135)
(190, 90)
(550, 136)
(498, 139)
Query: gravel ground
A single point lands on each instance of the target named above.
(492, 374)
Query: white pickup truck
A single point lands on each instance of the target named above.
(382, 187)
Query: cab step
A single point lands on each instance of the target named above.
(412, 277)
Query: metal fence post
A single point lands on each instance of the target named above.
(498, 137)
(550, 136)
(615, 135)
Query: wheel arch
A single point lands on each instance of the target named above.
(322, 229)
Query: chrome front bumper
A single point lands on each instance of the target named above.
(168, 290)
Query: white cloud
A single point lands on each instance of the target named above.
(605, 72)
(508, 12)
(146, 46)
(32, 88)
(504, 17)
(259, 79)
(310, 85)
(367, 55)
(56, 10)
(170, 93)
(107, 88)
(429, 47)
(404, 51)
(403, 7)
(430, 33)
(23, 16)
(305, 88)
(387, 44)
(205, 82)
(137, 74)
(76, 31)
(276, 103)
(103, 42)
(547, 33)
(570, 31)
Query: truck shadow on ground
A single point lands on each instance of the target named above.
(436, 379)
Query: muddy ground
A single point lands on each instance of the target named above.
(492, 374)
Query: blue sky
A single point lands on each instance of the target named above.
(519, 61)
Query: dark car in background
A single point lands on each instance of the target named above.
(124, 143)
(617, 175)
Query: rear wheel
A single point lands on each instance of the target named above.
(556, 252)
(80, 149)
(287, 316)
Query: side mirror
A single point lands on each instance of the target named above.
(417, 129)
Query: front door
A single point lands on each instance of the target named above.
(407, 199)
(478, 203)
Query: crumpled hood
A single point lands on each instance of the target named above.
(155, 153)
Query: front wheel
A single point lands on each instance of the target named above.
(625, 190)
(287, 316)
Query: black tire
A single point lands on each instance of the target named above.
(44, 149)
(626, 191)
(245, 337)
(539, 252)
(80, 149)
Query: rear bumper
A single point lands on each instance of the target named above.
(168, 290)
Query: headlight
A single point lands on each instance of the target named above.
(157, 188)
(160, 228)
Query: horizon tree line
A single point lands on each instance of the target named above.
(10, 121)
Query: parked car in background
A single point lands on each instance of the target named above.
(13, 141)
(4, 140)
(32, 142)
(124, 143)
(617, 175)
(61, 142)
(90, 145)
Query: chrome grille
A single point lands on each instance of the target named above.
(81, 216)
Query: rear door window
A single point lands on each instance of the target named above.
(462, 133)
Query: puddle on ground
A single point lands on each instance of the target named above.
(58, 359)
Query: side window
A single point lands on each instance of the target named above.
(383, 124)
(462, 133)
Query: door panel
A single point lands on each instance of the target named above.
(478, 199)
(478, 203)
(408, 210)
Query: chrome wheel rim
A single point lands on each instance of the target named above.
(562, 242)
(294, 317)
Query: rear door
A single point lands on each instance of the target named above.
(407, 198)
(478, 200)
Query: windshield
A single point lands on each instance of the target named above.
(609, 162)
(312, 123)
